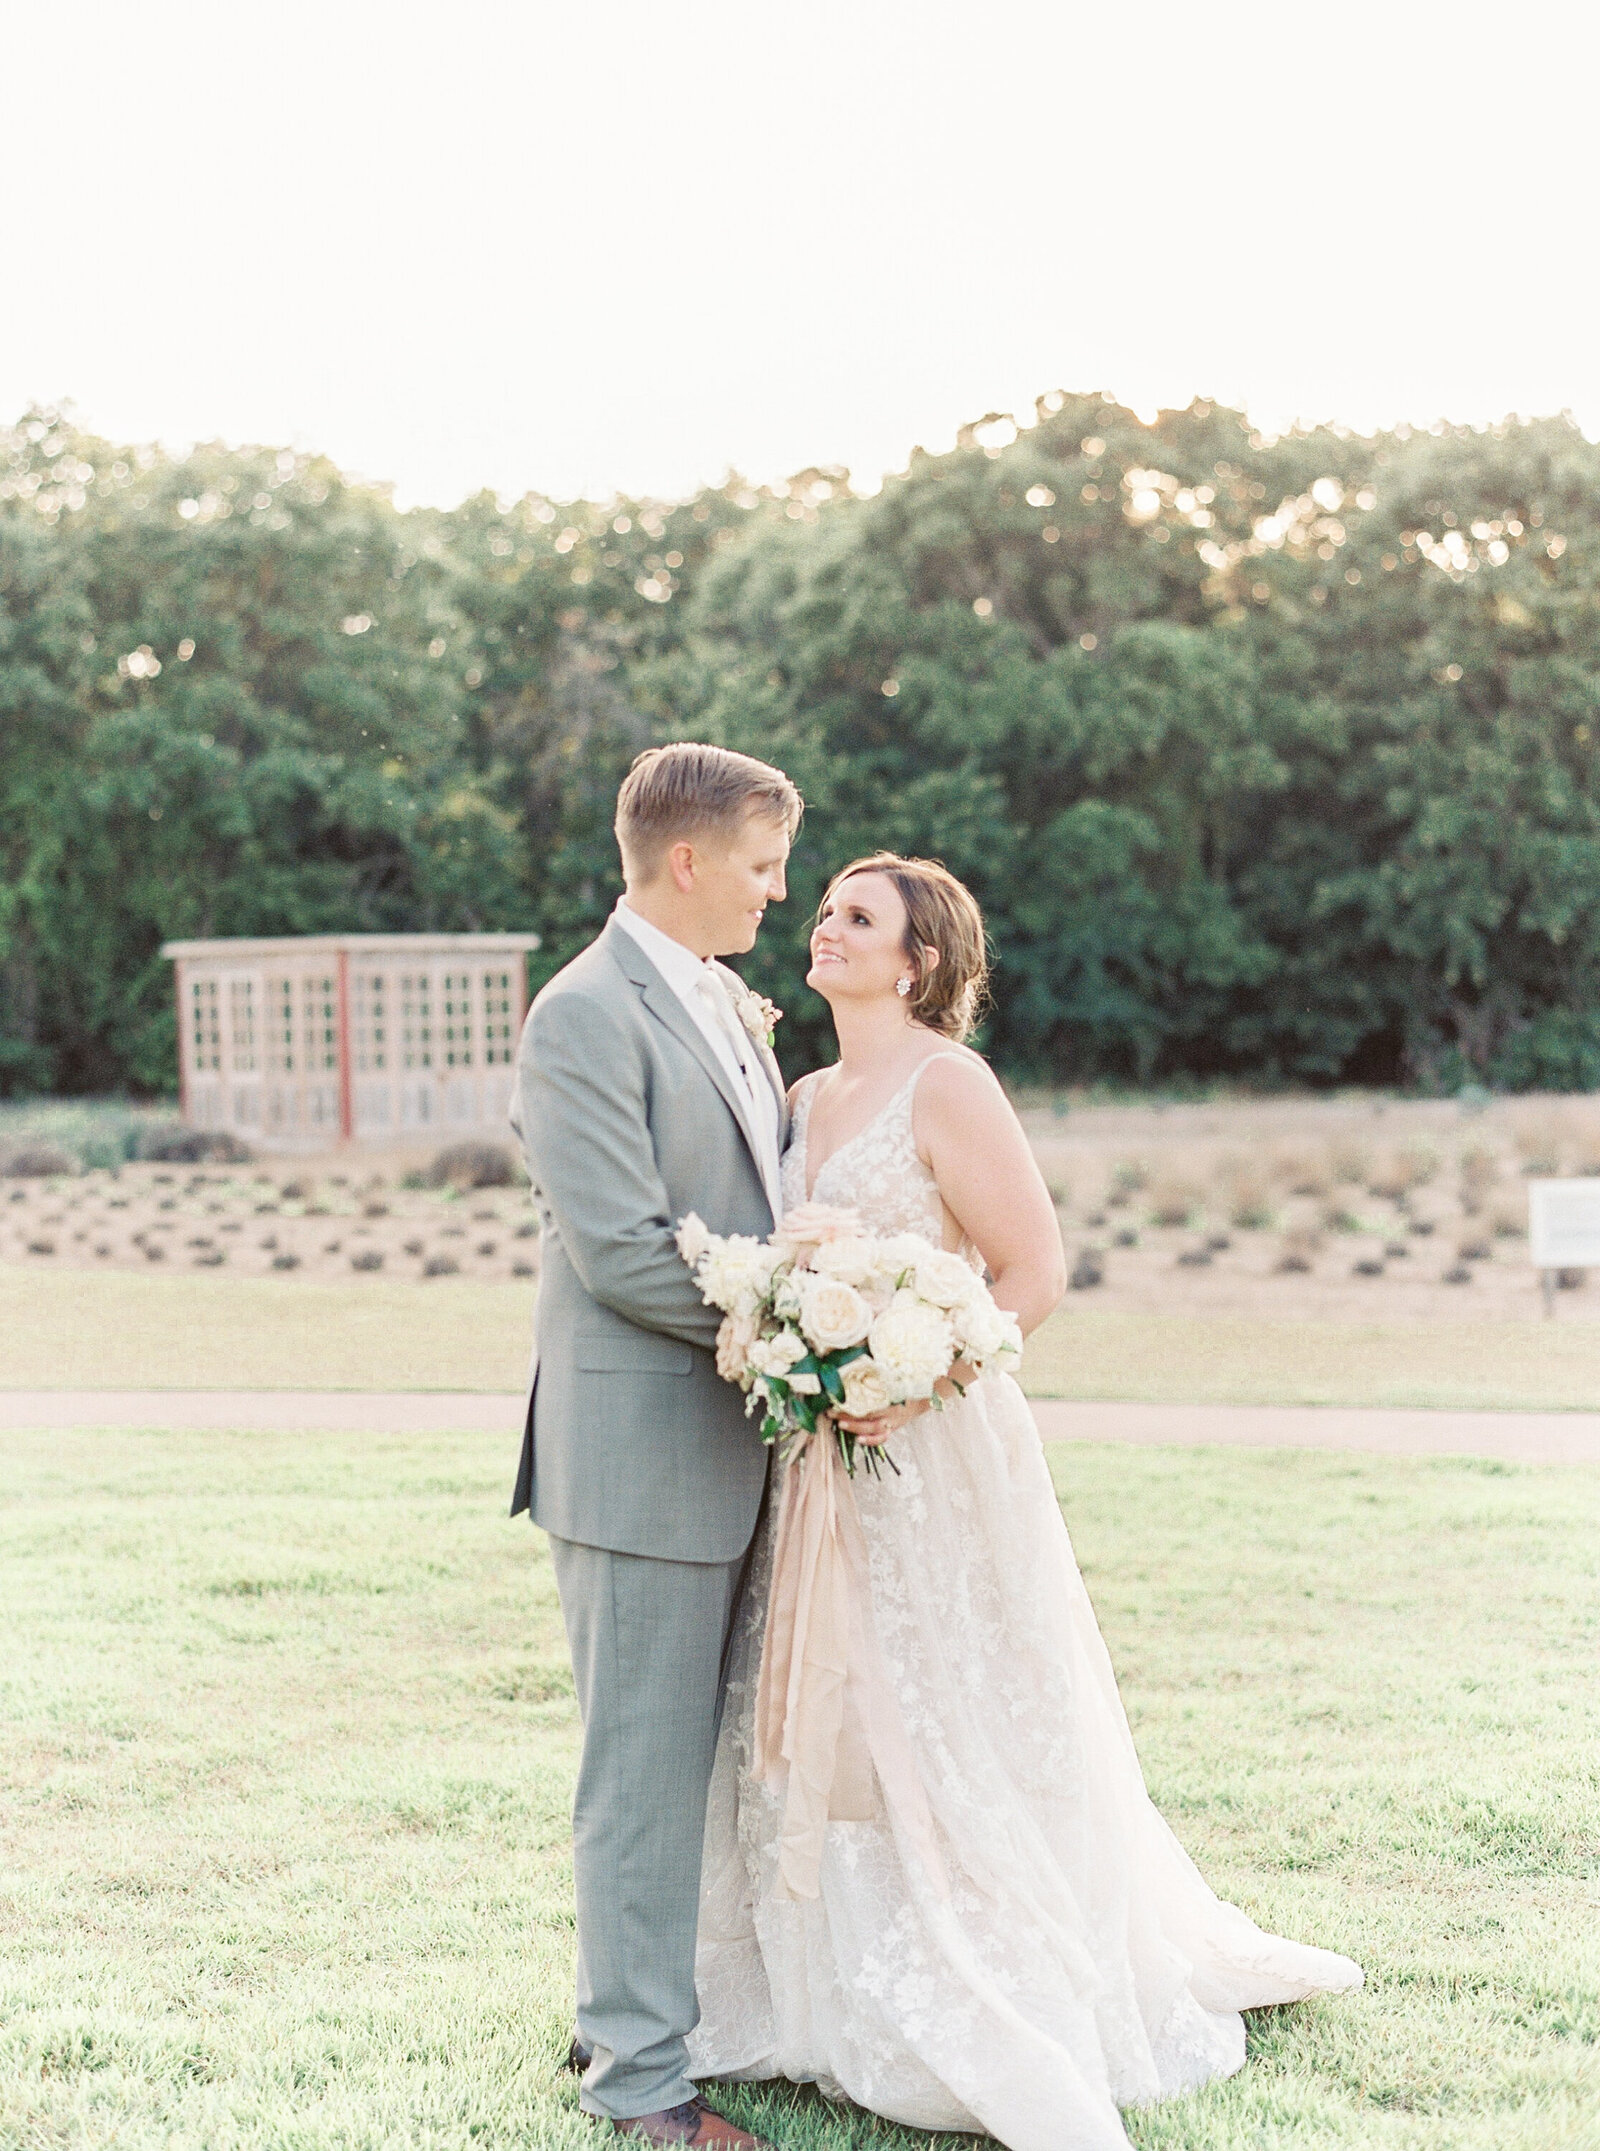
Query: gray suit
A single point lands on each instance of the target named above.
(640, 1464)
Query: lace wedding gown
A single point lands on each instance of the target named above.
(1078, 1963)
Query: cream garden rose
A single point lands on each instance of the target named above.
(913, 1346)
(986, 1332)
(735, 1339)
(945, 1278)
(832, 1313)
(865, 1390)
(852, 1258)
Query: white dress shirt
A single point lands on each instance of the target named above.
(717, 1021)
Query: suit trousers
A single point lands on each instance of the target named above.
(648, 1641)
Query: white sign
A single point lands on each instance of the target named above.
(1564, 1224)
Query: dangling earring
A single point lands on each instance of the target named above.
(902, 986)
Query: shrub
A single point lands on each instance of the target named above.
(1421, 1163)
(1126, 1181)
(1540, 1145)
(472, 1165)
(1249, 1202)
(1394, 1179)
(1300, 1249)
(1352, 1162)
(1480, 1169)
(38, 1161)
(1174, 1201)
(1304, 1172)
(171, 1144)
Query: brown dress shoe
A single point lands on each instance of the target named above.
(692, 2123)
(578, 2057)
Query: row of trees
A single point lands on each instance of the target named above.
(1275, 758)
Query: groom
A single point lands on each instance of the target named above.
(646, 1088)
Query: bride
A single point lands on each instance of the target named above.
(1060, 1956)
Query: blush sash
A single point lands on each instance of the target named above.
(826, 1719)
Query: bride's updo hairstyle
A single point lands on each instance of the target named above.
(941, 913)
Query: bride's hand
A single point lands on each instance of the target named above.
(882, 1426)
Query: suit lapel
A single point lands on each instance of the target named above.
(769, 1061)
(668, 1010)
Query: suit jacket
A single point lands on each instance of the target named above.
(628, 1121)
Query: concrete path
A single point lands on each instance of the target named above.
(1525, 1437)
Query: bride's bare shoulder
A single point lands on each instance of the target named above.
(956, 1073)
(957, 1087)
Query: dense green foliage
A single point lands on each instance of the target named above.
(1272, 758)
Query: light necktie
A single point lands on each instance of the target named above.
(715, 995)
(762, 1122)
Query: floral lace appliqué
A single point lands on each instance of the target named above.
(1080, 1963)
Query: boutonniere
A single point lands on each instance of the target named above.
(759, 1017)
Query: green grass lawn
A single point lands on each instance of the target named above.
(288, 1742)
(119, 1329)
(1460, 1365)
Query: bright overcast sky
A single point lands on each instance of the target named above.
(591, 247)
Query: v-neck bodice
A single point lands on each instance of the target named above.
(877, 1172)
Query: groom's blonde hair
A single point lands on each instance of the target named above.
(688, 790)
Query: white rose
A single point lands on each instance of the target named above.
(832, 1313)
(695, 1239)
(948, 1280)
(865, 1390)
(913, 1346)
(853, 1260)
(736, 1274)
(774, 1356)
(734, 1340)
(805, 1385)
(985, 1333)
(899, 1252)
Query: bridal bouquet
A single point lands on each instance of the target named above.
(825, 1317)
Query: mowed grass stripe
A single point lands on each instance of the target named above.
(86, 1329)
(119, 1330)
(288, 1741)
